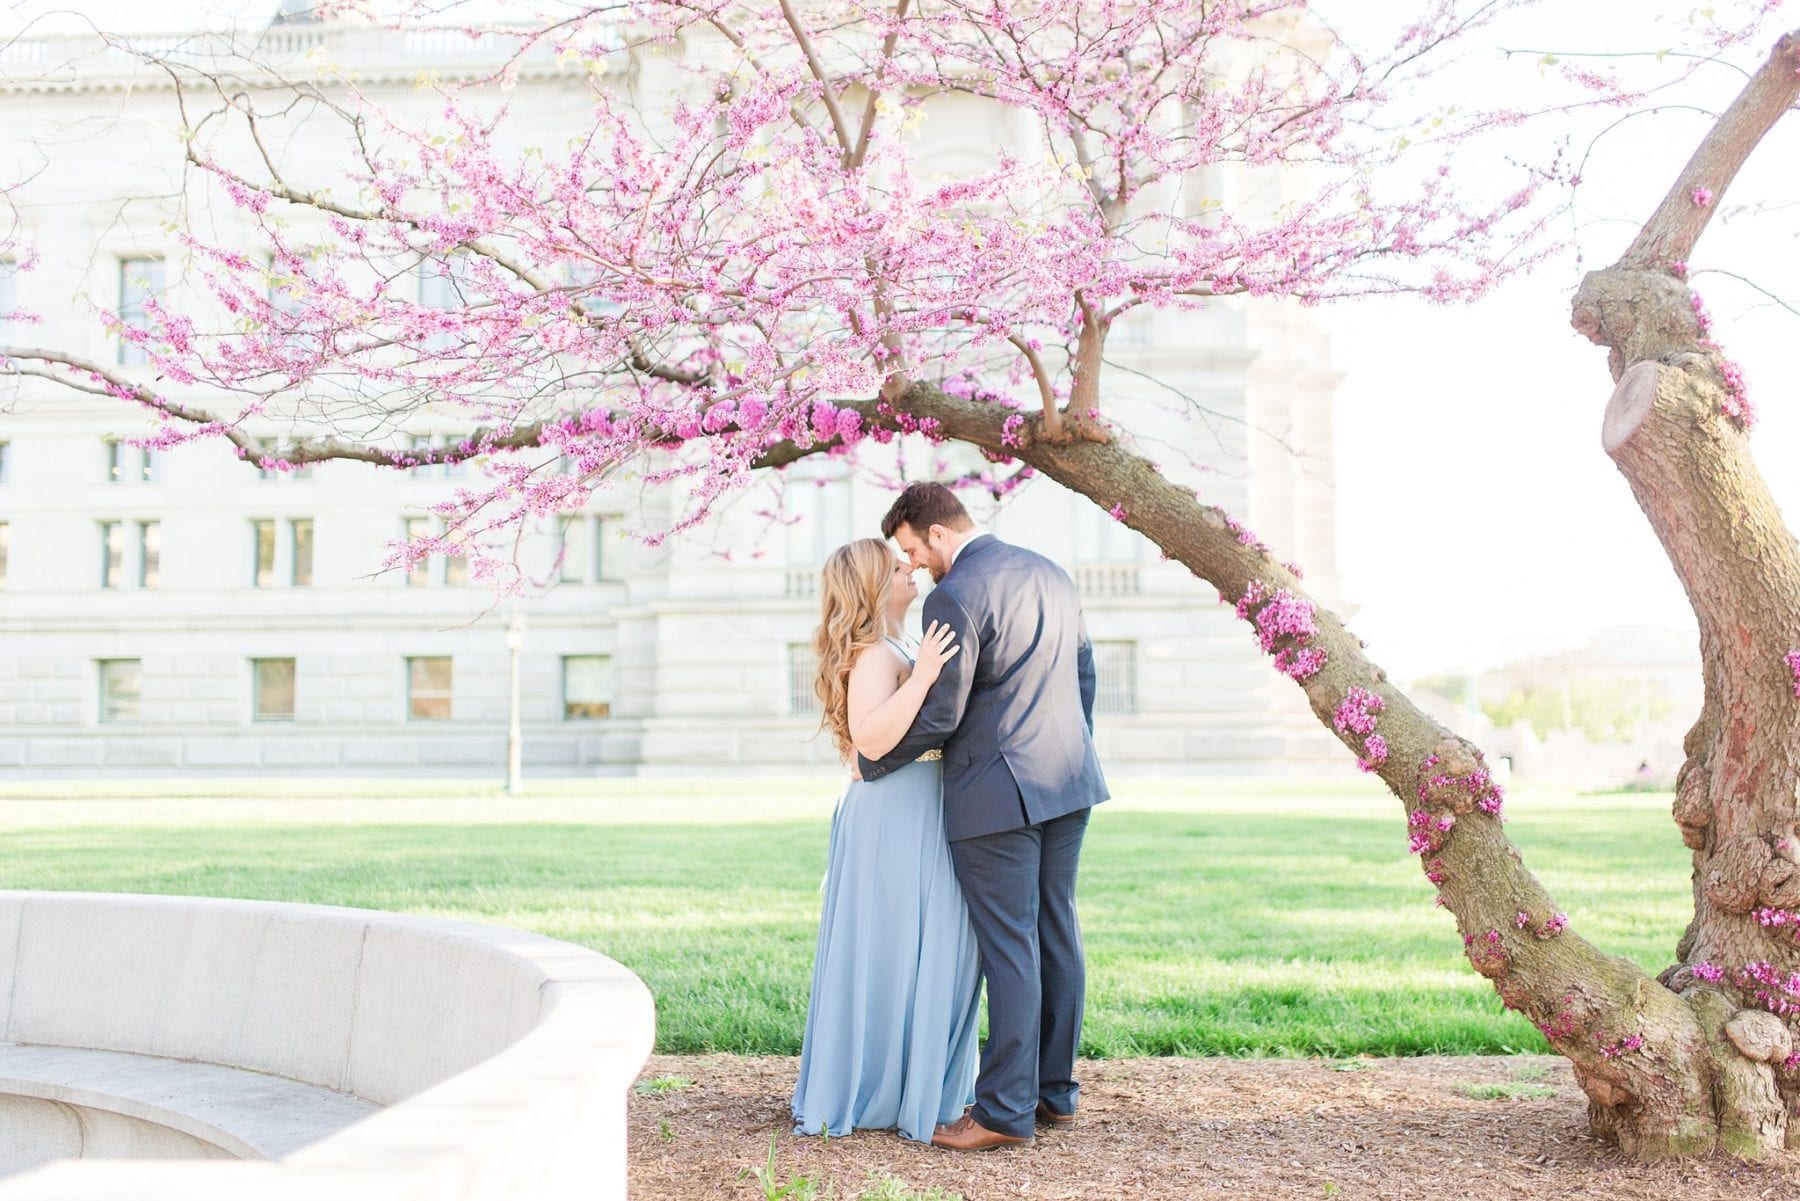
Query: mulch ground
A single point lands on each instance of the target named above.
(1178, 1128)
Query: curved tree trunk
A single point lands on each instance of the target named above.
(1677, 427)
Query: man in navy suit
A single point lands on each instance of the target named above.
(1014, 714)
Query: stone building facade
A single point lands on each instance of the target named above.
(187, 613)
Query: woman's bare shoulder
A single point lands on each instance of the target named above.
(879, 657)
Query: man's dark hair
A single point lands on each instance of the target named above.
(922, 505)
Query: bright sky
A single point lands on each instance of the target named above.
(1481, 522)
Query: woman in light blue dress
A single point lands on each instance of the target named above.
(891, 1029)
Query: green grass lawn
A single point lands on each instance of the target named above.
(1221, 917)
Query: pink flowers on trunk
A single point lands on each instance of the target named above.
(1736, 404)
(1427, 831)
(1478, 786)
(1356, 715)
(1285, 628)
(1550, 927)
(1774, 990)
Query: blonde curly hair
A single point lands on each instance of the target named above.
(853, 598)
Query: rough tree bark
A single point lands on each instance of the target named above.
(1677, 428)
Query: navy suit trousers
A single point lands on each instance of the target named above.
(1020, 888)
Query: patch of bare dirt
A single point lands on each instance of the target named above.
(1181, 1128)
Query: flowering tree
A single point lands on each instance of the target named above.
(753, 272)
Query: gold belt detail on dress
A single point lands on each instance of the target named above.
(931, 756)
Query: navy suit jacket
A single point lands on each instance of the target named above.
(1014, 710)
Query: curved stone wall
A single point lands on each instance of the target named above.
(373, 1054)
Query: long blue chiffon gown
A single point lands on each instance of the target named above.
(892, 1027)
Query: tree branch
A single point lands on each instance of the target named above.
(818, 72)
(315, 200)
(868, 118)
(1670, 234)
(1053, 427)
(1090, 348)
(297, 452)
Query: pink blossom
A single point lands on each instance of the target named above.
(1770, 987)
(1426, 832)
(1244, 536)
(1356, 712)
(700, 275)
(1702, 197)
(1478, 785)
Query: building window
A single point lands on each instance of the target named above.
(140, 281)
(574, 555)
(149, 553)
(418, 572)
(451, 444)
(300, 541)
(456, 567)
(9, 300)
(581, 541)
(1115, 670)
(118, 690)
(803, 671)
(447, 285)
(425, 571)
(5, 539)
(587, 686)
(131, 464)
(425, 451)
(262, 551)
(287, 297)
(112, 554)
(272, 691)
(605, 530)
(428, 689)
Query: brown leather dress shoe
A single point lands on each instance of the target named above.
(966, 1134)
(1049, 1117)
